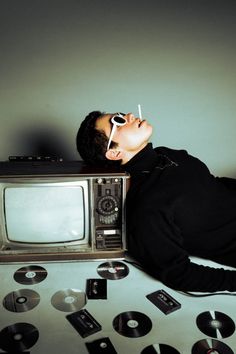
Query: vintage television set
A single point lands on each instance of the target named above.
(55, 210)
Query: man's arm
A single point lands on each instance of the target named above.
(190, 276)
(157, 245)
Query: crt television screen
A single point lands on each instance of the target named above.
(48, 214)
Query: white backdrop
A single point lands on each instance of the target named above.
(60, 60)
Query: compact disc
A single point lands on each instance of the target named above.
(215, 324)
(207, 346)
(21, 300)
(159, 349)
(30, 275)
(132, 324)
(113, 270)
(69, 300)
(18, 337)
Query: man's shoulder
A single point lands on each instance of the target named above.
(164, 150)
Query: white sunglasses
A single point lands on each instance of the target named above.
(117, 120)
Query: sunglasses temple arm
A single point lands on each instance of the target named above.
(111, 136)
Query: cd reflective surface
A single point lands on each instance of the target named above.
(113, 270)
(215, 324)
(30, 275)
(211, 346)
(69, 300)
(159, 349)
(21, 300)
(132, 324)
(18, 337)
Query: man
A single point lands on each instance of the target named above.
(175, 207)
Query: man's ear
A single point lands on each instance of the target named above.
(114, 154)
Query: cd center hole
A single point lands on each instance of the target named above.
(21, 300)
(132, 324)
(112, 270)
(30, 275)
(69, 299)
(18, 337)
(215, 324)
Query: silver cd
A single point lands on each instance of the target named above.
(113, 270)
(21, 300)
(206, 346)
(30, 275)
(132, 324)
(69, 300)
(18, 337)
(159, 349)
(215, 324)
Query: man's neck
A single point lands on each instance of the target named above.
(130, 154)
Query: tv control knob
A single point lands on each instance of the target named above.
(100, 180)
(107, 205)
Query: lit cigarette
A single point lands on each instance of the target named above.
(139, 111)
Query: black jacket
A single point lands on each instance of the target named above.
(177, 208)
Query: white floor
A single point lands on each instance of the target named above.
(57, 336)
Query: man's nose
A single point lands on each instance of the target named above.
(130, 117)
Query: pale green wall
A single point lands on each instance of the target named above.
(61, 59)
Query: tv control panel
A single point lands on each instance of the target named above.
(109, 212)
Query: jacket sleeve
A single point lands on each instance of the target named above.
(157, 243)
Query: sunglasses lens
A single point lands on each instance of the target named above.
(119, 120)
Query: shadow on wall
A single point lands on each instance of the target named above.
(43, 141)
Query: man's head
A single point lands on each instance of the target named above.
(128, 137)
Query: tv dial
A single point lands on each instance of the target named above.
(107, 205)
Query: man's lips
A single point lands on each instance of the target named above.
(140, 123)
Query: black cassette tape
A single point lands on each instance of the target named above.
(165, 302)
(84, 323)
(96, 288)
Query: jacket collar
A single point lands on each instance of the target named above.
(146, 160)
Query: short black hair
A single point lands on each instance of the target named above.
(92, 143)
